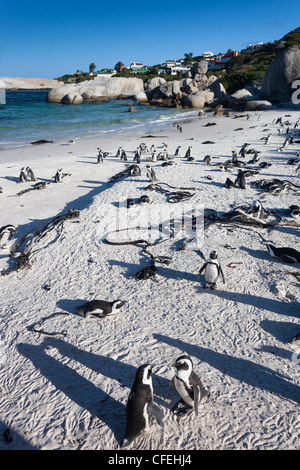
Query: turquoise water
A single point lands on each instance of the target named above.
(27, 116)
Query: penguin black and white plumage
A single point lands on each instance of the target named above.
(179, 128)
(150, 173)
(207, 160)
(137, 156)
(256, 209)
(285, 254)
(100, 308)
(177, 151)
(140, 405)
(294, 211)
(228, 183)
(154, 156)
(188, 385)
(6, 233)
(58, 176)
(212, 270)
(22, 176)
(240, 180)
(295, 343)
(123, 155)
(30, 174)
(100, 156)
(145, 199)
(188, 153)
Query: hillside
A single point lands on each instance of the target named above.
(250, 66)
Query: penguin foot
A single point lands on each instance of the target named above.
(212, 286)
(181, 408)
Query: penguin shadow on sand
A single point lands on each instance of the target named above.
(283, 332)
(163, 271)
(243, 370)
(77, 388)
(69, 305)
(262, 303)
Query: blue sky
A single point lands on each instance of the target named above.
(49, 39)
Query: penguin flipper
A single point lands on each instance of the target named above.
(201, 270)
(172, 384)
(196, 399)
(222, 274)
(155, 410)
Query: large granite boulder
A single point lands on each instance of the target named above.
(217, 88)
(104, 87)
(198, 99)
(72, 98)
(238, 99)
(154, 83)
(278, 79)
(199, 69)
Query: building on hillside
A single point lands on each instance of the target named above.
(215, 64)
(208, 55)
(119, 67)
(135, 65)
(228, 56)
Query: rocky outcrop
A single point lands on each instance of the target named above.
(240, 98)
(198, 99)
(105, 87)
(278, 79)
(15, 83)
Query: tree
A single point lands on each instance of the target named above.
(92, 67)
(188, 57)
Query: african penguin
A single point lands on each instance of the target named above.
(6, 233)
(240, 180)
(295, 343)
(188, 385)
(256, 209)
(177, 151)
(140, 405)
(22, 176)
(212, 270)
(285, 254)
(100, 156)
(150, 173)
(294, 211)
(30, 174)
(100, 308)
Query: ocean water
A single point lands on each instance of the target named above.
(27, 116)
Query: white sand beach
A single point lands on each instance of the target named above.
(66, 388)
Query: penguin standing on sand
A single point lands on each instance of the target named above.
(100, 156)
(30, 174)
(212, 270)
(137, 156)
(6, 233)
(188, 385)
(150, 173)
(154, 156)
(140, 405)
(58, 176)
(240, 181)
(177, 151)
(22, 176)
(188, 153)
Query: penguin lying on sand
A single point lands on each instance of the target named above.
(100, 308)
(212, 270)
(140, 405)
(188, 385)
(285, 254)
